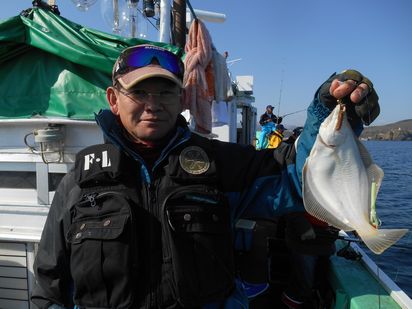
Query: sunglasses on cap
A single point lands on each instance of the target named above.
(143, 55)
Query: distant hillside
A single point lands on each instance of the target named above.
(397, 131)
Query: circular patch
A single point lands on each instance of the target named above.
(194, 160)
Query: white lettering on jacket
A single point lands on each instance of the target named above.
(91, 158)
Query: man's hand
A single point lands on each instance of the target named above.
(356, 91)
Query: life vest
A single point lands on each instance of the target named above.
(275, 138)
(183, 237)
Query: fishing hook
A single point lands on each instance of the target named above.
(342, 111)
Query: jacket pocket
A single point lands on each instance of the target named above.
(198, 245)
(101, 243)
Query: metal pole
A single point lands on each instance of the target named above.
(116, 26)
(165, 22)
(209, 16)
(179, 23)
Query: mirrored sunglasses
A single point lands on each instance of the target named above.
(142, 55)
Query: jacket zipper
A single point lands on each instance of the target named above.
(151, 201)
(92, 197)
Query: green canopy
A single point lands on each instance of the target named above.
(52, 67)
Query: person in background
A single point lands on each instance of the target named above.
(268, 116)
(268, 122)
(276, 137)
(294, 136)
(147, 219)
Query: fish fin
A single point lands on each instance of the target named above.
(364, 153)
(380, 240)
(315, 209)
(375, 173)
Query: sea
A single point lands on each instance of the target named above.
(394, 207)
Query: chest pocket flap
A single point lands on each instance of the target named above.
(106, 228)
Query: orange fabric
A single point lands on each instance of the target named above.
(314, 221)
(210, 80)
(198, 50)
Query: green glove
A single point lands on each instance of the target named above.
(366, 110)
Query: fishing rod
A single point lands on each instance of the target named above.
(299, 111)
(280, 94)
(279, 118)
(231, 62)
(356, 240)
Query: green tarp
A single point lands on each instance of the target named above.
(52, 67)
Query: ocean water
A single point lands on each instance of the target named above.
(394, 208)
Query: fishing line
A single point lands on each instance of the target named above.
(379, 276)
(403, 247)
(367, 104)
(378, 258)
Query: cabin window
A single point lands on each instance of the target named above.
(26, 180)
(17, 180)
(54, 180)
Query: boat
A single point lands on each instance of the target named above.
(52, 67)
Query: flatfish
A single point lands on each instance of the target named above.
(341, 181)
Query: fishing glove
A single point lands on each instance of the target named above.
(365, 111)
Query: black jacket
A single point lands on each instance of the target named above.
(123, 236)
(265, 118)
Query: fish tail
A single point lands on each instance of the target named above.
(380, 240)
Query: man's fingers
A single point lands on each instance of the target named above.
(341, 89)
(359, 93)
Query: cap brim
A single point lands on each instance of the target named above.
(134, 77)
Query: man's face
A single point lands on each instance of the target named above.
(269, 110)
(147, 118)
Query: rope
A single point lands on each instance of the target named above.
(191, 9)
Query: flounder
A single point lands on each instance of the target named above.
(338, 179)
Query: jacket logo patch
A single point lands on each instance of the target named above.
(91, 158)
(194, 160)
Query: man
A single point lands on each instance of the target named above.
(276, 137)
(268, 116)
(294, 136)
(268, 122)
(147, 220)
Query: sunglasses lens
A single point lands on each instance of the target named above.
(143, 55)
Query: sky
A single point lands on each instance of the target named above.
(292, 46)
